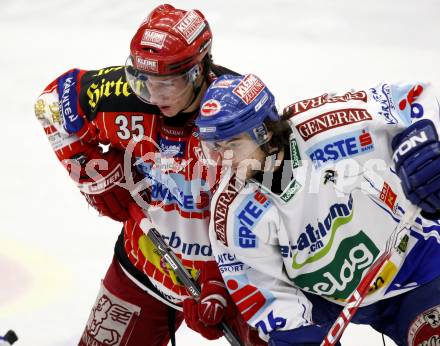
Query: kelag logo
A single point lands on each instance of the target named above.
(341, 147)
(341, 276)
(248, 213)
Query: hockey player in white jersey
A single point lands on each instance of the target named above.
(308, 200)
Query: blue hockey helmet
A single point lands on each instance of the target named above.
(236, 104)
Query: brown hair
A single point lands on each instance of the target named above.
(281, 132)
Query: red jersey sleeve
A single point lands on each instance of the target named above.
(57, 103)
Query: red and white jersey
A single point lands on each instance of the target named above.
(82, 109)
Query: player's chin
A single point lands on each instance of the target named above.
(168, 111)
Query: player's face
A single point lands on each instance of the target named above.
(241, 153)
(172, 94)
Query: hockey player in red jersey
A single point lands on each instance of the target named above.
(144, 113)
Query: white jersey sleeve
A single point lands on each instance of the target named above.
(405, 103)
(250, 262)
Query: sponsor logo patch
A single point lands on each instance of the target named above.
(338, 279)
(107, 87)
(99, 186)
(318, 240)
(383, 278)
(249, 88)
(68, 105)
(290, 191)
(153, 38)
(331, 120)
(415, 110)
(221, 209)
(250, 211)
(249, 299)
(190, 26)
(304, 105)
(171, 148)
(384, 98)
(228, 263)
(341, 147)
(388, 196)
(416, 139)
(295, 156)
(158, 269)
(172, 191)
(149, 65)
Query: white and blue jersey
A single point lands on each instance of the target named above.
(333, 215)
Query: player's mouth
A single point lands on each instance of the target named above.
(164, 109)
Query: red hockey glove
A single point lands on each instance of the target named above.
(215, 304)
(97, 175)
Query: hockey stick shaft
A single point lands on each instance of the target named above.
(361, 291)
(181, 272)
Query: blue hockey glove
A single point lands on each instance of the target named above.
(417, 161)
(311, 335)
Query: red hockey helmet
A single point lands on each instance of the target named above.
(170, 41)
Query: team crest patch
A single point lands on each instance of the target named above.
(425, 329)
(210, 107)
(111, 321)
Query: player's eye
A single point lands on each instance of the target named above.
(142, 77)
(233, 145)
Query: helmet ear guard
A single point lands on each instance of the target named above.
(194, 73)
(260, 134)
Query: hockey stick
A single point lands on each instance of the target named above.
(170, 257)
(359, 294)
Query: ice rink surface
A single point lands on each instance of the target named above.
(53, 248)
